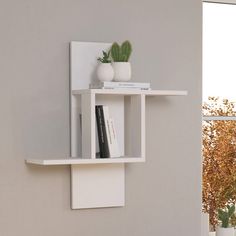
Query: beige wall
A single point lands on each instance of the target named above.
(162, 196)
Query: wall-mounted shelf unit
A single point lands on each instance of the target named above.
(99, 182)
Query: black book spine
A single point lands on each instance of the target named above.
(102, 136)
(105, 134)
(99, 129)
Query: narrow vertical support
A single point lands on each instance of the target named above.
(75, 134)
(138, 125)
(74, 186)
(88, 125)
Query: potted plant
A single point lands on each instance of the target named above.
(121, 64)
(224, 217)
(105, 71)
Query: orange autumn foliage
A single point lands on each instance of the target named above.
(219, 158)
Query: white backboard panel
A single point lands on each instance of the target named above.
(97, 186)
(92, 186)
(83, 56)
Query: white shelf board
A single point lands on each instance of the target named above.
(81, 161)
(132, 92)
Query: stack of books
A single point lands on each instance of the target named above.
(119, 85)
(107, 138)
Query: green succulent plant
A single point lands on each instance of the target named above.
(121, 53)
(105, 58)
(225, 215)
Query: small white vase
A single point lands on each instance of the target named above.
(105, 72)
(122, 71)
(224, 231)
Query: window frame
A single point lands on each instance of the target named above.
(221, 1)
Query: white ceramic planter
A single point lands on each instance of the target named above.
(105, 72)
(205, 224)
(224, 231)
(122, 71)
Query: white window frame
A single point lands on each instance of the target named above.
(218, 118)
(221, 1)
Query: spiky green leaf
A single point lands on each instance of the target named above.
(115, 52)
(231, 210)
(126, 50)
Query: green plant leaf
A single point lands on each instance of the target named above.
(126, 50)
(231, 210)
(115, 52)
(105, 58)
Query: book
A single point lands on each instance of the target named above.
(119, 85)
(101, 130)
(114, 140)
(80, 126)
(111, 135)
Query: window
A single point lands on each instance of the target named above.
(219, 51)
(219, 112)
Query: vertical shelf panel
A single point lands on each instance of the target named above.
(83, 62)
(75, 124)
(92, 185)
(88, 126)
(96, 186)
(137, 125)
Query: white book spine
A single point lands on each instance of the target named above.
(114, 140)
(108, 131)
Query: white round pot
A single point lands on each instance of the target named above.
(122, 71)
(224, 231)
(105, 72)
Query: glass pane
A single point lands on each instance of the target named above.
(219, 166)
(219, 51)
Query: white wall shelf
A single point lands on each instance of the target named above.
(100, 182)
(83, 161)
(131, 92)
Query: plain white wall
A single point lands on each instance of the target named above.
(163, 196)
